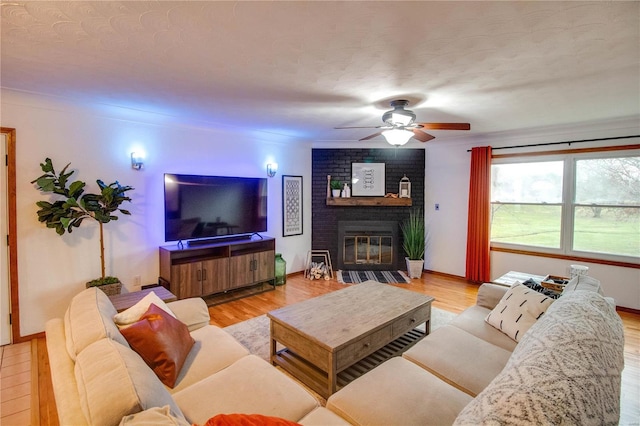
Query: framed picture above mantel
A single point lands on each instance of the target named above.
(367, 179)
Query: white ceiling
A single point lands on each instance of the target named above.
(300, 68)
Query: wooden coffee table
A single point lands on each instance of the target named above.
(331, 339)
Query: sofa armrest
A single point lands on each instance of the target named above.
(193, 312)
(490, 294)
(63, 379)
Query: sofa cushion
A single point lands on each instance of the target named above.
(214, 350)
(566, 370)
(133, 314)
(113, 381)
(250, 385)
(518, 310)
(490, 294)
(323, 417)
(88, 319)
(192, 311)
(61, 366)
(398, 392)
(472, 321)
(162, 341)
(459, 358)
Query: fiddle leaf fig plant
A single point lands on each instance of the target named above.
(74, 205)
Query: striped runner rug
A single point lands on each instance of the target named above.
(355, 277)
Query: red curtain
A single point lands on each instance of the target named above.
(478, 227)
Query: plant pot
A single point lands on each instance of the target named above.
(415, 267)
(110, 289)
(335, 193)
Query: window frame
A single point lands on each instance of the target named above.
(568, 205)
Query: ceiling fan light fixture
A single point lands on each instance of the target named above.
(397, 137)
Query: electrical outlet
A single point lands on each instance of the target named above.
(137, 281)
(437, 206)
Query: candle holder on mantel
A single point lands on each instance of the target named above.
(405, 188)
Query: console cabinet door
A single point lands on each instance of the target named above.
(252, 268)
(266, 266)
(215, 276)
(186, 279)
(241, 270)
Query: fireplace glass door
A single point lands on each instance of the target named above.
(371, 250)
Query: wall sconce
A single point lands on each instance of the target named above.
(272, 169)
(137, 160)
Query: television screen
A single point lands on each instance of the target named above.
(198, 207)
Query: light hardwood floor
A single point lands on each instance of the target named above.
(451, 293)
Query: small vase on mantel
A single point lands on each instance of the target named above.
(346, 191)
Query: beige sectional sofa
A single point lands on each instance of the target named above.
(565, 370)
(98, 379)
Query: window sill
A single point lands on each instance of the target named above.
(567, 257)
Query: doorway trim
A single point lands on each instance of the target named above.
(13, 233)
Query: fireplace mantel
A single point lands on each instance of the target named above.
(368, 201)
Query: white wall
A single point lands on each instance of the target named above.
(447, 183)
(98, 142)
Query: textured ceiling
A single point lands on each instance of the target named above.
(301, 68)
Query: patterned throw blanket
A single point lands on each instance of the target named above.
(566, 370)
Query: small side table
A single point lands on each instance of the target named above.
(126, 300)
(512, 276)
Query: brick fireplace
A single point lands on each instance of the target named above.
(325, 222)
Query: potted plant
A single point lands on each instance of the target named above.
(414, 240)
(336, 186)
(74, 206)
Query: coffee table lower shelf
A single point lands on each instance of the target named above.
(317, 379)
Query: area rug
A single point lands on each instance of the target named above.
(385, 277)
(254, 333)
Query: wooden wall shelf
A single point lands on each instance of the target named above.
(369, 201)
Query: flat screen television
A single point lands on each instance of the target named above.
(205, 207)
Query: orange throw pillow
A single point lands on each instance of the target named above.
(248, 420)
(162, 341)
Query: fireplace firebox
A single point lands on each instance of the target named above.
(367, 245)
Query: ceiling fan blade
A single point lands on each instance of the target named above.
(422, 136)
(445, 126)
(359, 127)
(370, 136)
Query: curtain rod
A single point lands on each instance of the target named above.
(560, 143)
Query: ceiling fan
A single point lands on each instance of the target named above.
(400, 126)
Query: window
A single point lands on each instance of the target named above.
(576, 204)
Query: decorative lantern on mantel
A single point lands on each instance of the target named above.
(405, 188)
